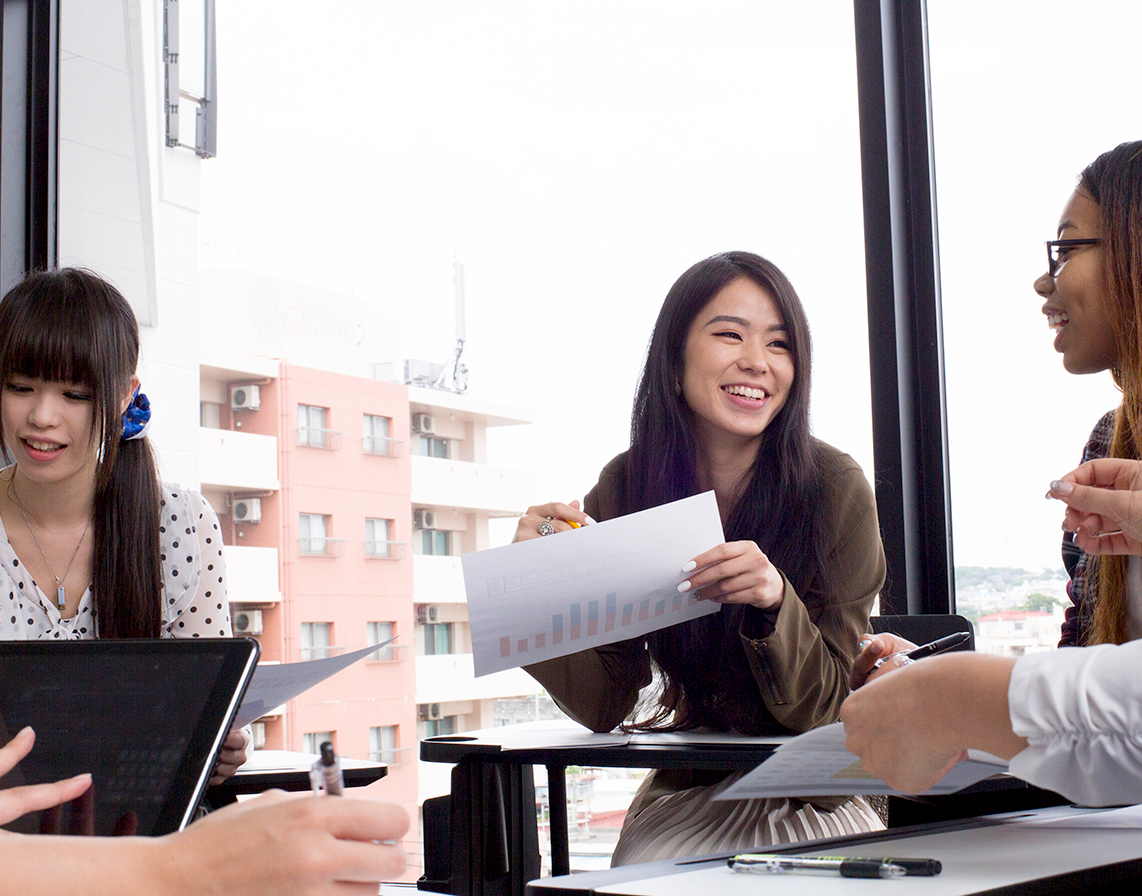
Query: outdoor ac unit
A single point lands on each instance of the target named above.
(424, 519)
(247, 510)
(245, 398)
(434, 711)
(431, 614)
(248, 622)
(424, 424)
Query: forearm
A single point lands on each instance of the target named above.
(97, 866)
(962, 702)
(597, 688)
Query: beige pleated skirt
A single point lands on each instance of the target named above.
(690, 822)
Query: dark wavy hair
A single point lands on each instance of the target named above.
(778, 508)
(70, 326)
(1114, 181)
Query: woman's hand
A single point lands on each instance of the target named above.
(16, 801)
(736, 572)
(235, 751)
(559, 516)
(1104, 505)
(875, 648)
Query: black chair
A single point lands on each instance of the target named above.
(925, 628)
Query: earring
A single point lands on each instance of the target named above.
(677, 388)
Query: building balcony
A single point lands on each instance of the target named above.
(380, 446)
(452, 483)
(385, 550)
(252, 575)
(449, 678)
(437, 580)
(235, 460)
(320, 546)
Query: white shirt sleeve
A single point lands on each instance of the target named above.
(194, 568)
(1080, 709)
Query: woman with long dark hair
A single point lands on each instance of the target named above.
(723, 404)
(92, 544)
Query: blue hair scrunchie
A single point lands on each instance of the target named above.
(137, 417)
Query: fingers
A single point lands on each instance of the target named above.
(735, 572)
(550, 519)
(876, 647)
(233, 755)
(16, 749)
(17, 801)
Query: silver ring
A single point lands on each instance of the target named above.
(545, 527)
(698, 594)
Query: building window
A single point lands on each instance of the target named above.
(315, 640)
(312, 429)
(376, 437)
(438, 639)
(383, 744)
(439, 727)
(313, 536)
(430, 446)
(379, 632)
(437, 542)
(378, 539)
(311, 741)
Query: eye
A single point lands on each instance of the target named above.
(18, 388)
(75, 395)
(729, 334)
(780, 345)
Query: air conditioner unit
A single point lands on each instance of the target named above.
(431, 615)
(248, 622)
(434, 711)
(245, 398)
(247, 510)
(425, 424)
(424, 519)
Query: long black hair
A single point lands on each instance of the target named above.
(70, 326)
(778, 508)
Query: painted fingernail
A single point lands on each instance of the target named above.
(1062, 487)
(863, 644)
(685, 586)
(591, 521)
(689, 566)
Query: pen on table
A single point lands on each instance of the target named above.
(325, 773)
(845, 866)
(930, 649)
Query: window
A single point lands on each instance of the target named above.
(378, 541)
(312, 430)
(430, 446)
(376, 436)
(377, 633)
(383, 744)
(436, 542)
(315, 640)
(311, 742)
(438, 639)
(438, 727)
(312, 529)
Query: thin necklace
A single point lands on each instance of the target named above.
(61, 598)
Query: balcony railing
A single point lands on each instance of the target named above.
(380, 446)
(321, 547)
(395, 756)
(311, 437)
(385, 550)
(390, 653)
(321, 652)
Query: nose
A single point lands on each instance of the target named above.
(1045, 284)
(42, 412)
(755, 359)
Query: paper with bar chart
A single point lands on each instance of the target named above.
(606, 582)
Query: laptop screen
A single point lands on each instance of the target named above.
(146, 718)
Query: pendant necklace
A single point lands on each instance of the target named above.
(61, 598)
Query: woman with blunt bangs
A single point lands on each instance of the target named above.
(1093, 293)
(92, 544)
(723, 404)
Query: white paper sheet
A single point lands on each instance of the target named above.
(278, 683)
(607, 582)
(817, 764)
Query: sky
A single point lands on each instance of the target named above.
(576, 158)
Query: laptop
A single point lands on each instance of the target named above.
(147, 718)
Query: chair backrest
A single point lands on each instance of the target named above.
(921, 629)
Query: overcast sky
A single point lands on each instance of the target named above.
(578, 157)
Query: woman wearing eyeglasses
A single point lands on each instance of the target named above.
(1093, 293)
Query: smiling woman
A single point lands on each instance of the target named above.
(723, 404)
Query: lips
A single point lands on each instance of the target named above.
(40, 449)
(753, 393)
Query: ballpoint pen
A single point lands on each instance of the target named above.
(845, 866)
(930, 649)
(325, 773)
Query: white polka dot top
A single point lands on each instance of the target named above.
(194, 581)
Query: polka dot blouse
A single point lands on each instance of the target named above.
(194, 581)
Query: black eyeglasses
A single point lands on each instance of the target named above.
(1053, 247)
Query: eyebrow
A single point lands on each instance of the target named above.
(741, 322)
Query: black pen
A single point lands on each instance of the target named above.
(930, 649)
(842, 865)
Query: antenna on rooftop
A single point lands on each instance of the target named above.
(459, 368)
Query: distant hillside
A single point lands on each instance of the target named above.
(1002, 578)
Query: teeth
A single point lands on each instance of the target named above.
(43, 446)
(1056, 319)
(746, 391)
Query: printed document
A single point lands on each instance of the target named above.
(606, 582)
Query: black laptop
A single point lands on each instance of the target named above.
(146, 717)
